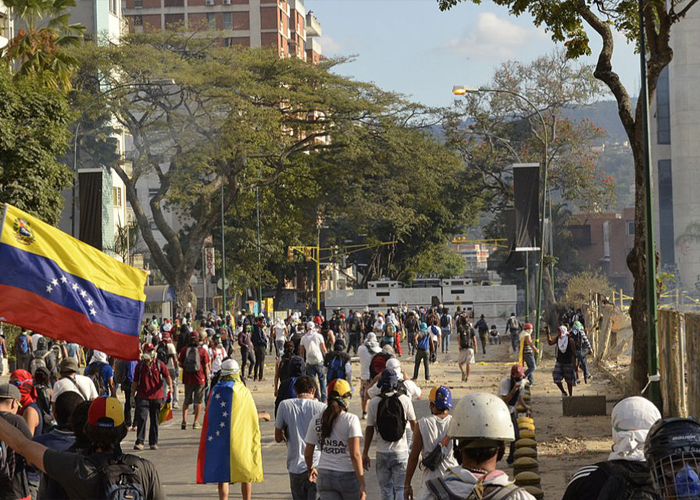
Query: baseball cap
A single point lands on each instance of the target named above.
(393, 364)
(388, 380)
(423, 327)
(10, 391)
(340, 386)
(148, 347)
(106, 413)
(68, 365)
(517, 371)
(527, 326)
(441, 397)
(229, 367)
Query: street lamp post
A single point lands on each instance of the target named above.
(461, 91)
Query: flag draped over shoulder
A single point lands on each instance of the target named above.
(63, 288)
(229, 447)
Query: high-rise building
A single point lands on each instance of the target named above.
(676, 153)
(6, 25)
(281, 24)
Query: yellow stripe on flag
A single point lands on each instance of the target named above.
(30, 234)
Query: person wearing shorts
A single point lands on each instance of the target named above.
(467, 343)
(564, 367)
(195, 381)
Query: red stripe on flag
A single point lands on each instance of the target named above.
(33, 312)
(202, 446)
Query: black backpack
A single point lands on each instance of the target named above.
(626, 481)
(120, 479)
(192, 362)
(391, 418)
(465, 339)
(444, 321)
(94, 373)
(162, 353)
(7, 464)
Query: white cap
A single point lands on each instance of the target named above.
(229, 367)
(310, 325)
(394, 364)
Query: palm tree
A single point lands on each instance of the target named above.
(39, 49)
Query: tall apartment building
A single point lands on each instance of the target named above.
(676, 152)
(6, 25)
(281, 24)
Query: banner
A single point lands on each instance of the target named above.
(526, 195)
(209, 267)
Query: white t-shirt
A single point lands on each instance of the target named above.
(295, 415)
(387, 446)
(85, 387)
(433, 430)
(279, 329)
(170, 365)
(366, 356)
(435, 331)
(335, 454)
(35, 340)
(504, 390)
(412, 390)
(312, 344)
(218, 356)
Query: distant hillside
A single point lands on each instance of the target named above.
(603, 114)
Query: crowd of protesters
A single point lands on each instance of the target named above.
(63, 425)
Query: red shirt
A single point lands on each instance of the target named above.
(149, 379)
(194, 378)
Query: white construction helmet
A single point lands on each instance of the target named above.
(482, 417)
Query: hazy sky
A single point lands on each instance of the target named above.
(409, 46)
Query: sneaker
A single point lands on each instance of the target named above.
(154, 446)
(196, 425)
(364, 415)
(183, 426)
(176, 406)
(138, 446)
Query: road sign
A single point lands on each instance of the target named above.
(218, 284)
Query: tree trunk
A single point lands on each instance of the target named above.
(636, 262)
(183, 294)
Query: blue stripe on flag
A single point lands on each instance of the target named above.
(217, 450)
(43, 277)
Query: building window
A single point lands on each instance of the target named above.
(581, 234)
(228, 42)
(630, 228)
(228, 20)
(663, 109)
(138, 4)
(173, 21)
(114, 7)
(138, 20)
(211, 21)
(117, 196)
(174, 3)
(666, 231)
(152, 192)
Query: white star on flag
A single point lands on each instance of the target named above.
(222, 425)
(93, 312)
(83, 293)
(54, 282)
(64, 279)
(49, 288)
(218, 433)
(223, 404)
(74, 286)
(224, 414)
(211, 438)
(217, 396)
(89, 302)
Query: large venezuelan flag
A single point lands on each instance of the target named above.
(63, 288)
(229, 447)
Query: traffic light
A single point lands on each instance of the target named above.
(290, 254)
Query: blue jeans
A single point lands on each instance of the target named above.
(336, 485)
(301, 488)
(391, 473)
(515, 340)
(529, 359)
(581, 356)
(446, 340)
(317, 370)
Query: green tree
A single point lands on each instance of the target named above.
(38, 49)
(210, 123)
(34, 123)
(566, 21)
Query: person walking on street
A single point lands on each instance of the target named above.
(412, 325)
(467, 348)
(150, 376)
(529, 352)
(483, 328)
(354, 331)
(430, 440)
(337, 433)
(313, 350)
(124, 378)
(291, 424)
(367, 350)
(172, 367)
(71, 381)
(513, 329)
(389, 414)
(281, 334)
(247, 349)
(259, 339)
(481, 426)
(23, 350)
(565, 357)
(194, 361)
(446, 325)
(423, 342)
(583, 348)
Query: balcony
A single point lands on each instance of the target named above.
(313, 27)
(314, 45)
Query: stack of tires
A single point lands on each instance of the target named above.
(525, 467)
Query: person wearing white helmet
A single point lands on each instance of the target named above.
(481, 427)
(367, 350)
(626, 473)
